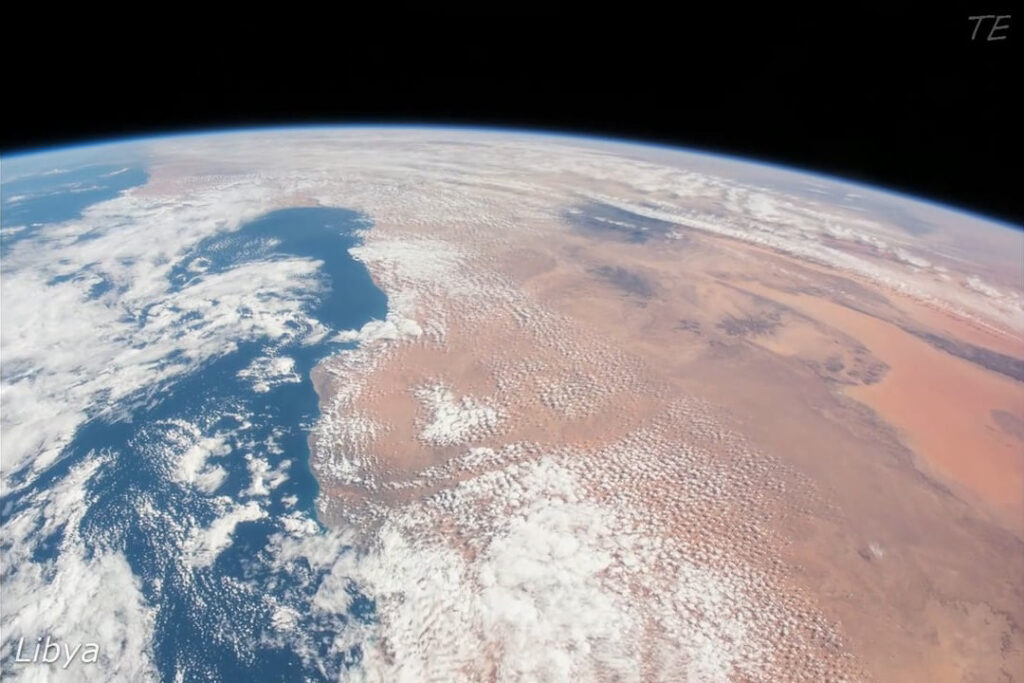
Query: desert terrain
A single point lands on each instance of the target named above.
(876, 490)
(657, 416)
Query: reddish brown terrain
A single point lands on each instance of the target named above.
(640, 415)
(878, 500)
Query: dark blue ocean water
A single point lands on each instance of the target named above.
(214, 622)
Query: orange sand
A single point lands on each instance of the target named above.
(940, 403)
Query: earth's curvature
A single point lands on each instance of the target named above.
(430, 404)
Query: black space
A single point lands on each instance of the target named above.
(898, 98)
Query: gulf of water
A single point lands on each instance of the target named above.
(214, 623)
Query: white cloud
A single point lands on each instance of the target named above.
(976, 284)
(263, 478)
(298, 524)
(204, 545)
(193, 467)
(86, 594)
(267, 372)
(69, 355)
(392, 329)
(547, 596)
(454, 421)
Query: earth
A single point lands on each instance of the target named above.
(409, 404)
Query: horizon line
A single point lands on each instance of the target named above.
(514, 130)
